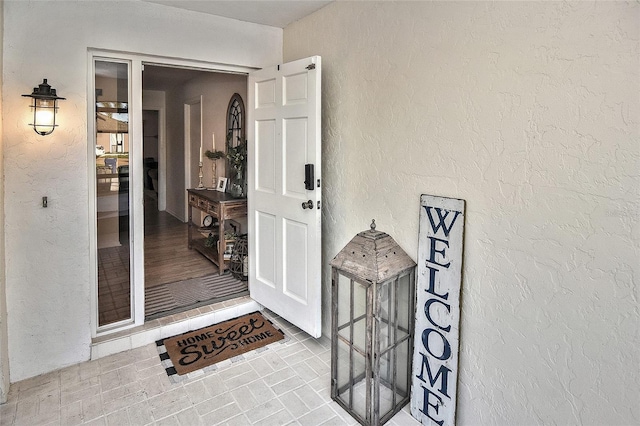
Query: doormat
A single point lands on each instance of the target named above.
(171, 298)
(201, 349)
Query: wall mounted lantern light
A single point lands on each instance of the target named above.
(44, 107)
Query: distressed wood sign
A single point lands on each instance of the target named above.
(435, 352)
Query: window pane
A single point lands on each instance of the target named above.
(112, 191)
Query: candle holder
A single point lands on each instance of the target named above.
(214, 156)
(200, 175)
(214, 174)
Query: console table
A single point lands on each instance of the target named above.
(220, 205)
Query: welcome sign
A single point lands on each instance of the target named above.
(435, 353)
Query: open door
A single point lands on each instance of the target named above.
(284, 194)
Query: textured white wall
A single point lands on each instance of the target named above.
(529, 111)
(4, 343)
(47, 250)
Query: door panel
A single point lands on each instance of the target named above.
(295, 89)
(295, 150)
(284, 237)
(265, 141)
(265, 93)
(295, 258)
(266, 248)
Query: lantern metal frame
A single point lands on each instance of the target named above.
(40, 95)
(397, 268)
(238, 264)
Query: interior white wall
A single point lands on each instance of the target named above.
(530, 112)
(216, 89)
(155, 100)
(48, 278)
(175, 151)
(4, 343)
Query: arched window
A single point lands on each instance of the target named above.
(236, 146)
(235, 121)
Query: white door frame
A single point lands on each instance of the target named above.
(160, 108)
(136, 169)
(136, 213)
(188, 104)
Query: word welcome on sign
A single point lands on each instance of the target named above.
(435, 353)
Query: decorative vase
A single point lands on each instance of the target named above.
(237, 188)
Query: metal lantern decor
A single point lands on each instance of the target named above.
(238, 264)
(373, 300)
(44, 107)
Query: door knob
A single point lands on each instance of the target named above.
(307, 204)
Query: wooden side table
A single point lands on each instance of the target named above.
(220, 205)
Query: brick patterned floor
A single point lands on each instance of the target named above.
(287, 384)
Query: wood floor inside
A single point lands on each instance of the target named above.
(166, 260)
(166, 256)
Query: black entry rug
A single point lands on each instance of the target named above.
(196, 352)
(171, 298)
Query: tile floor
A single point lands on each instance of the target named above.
(114, 300)
(288, 384)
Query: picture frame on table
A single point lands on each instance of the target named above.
(222, 184)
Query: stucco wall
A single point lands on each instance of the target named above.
(47, 250)
(529, 111)
(4, 352)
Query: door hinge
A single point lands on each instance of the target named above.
(318, 183)
(311, 67)
(318, 204)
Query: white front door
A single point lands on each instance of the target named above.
(284, 213)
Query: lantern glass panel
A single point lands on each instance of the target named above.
(351, 376)
(342, 361)
(402, 361)
(386, 303)
(387, 401)
(344, 303)
(406, 294)
(352, 311)
(359, 402)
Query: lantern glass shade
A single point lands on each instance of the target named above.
(372, 326)
(44, 115)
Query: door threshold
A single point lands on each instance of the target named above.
(171, 325)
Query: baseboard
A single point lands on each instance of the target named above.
(177, 216)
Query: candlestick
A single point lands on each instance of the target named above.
(200, 175)
(214, 174)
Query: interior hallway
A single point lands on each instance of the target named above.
(166, 260)
(287, 384)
